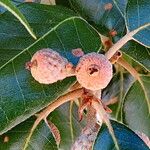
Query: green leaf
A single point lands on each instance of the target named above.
(137, 106)
(127, 139)
(121, 5)
(99, 14)
(14, 38)
(138, 53)
(42, 137)
(21, 95)
(137, 15)
(13, 9)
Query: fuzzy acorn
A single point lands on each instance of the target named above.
(48, 66)
(94, 71)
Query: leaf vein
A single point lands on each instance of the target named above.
(78, 34)
(15, 74)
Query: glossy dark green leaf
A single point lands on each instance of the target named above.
(104, 14)
(137, 15)
(42, 138)
(127, 139)
(137, 106)
(14, 38)
(138, 53)
(21, 95)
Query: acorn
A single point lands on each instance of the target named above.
(48, 66)
(94, 71)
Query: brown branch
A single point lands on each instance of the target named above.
(54, 130)
(51, 107)
(129, 68)
(124, 40)
(118, 45)
(88, 133)
(75, 86)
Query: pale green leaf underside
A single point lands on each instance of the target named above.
(137, 106)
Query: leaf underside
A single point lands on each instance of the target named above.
(137, 106)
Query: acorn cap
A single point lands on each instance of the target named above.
(48, 66)
(94, 71)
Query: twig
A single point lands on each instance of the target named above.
(61, 100)
(123, 41)
(54, 130)
(119, 44)
(75, 86)
(111, 101)
(129, 68)
(89, 132)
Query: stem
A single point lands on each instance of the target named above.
(70, 122)
(121, 100)
(75, 86)
(129, 68)
(42, 115)
(54, 130)
(98, 106)
(119, 44)
(89, 132)
(123, 41)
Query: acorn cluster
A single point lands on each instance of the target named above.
(93, 71)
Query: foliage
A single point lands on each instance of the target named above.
(68, 25)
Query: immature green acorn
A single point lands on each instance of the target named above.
(48, 66)
(94, 71)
